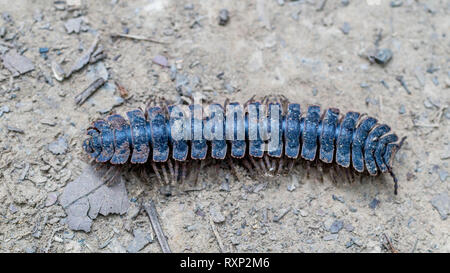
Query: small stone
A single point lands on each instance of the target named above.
(349, 227)
(2, 31)
(13, 209)
(235, 240)
(173, 72)
(189, 6)
(374, 203)
(68, 235)
(141, 239)
(338, 198)
(443, 175)
(17, 63)
(291, 187)
(229, 88)
(191, 227)
(402, 110)
(345, 28)
(281, 214)
(58, 146)
(223, 17)
(441, 203)
(4, 109)
(435, 80)
(73, 25)
(303, 213)
(427, 103)
(383, 56)
(345, 2)
(161, 60)
(336, 226)
(225, 186)
(30, 249)
(330, 237)
(52, 197)
(396, 3)
(216, 214)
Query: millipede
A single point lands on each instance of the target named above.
(172, 141)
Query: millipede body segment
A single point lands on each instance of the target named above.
(267, 136)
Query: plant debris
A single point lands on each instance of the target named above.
(88, 195)
(16, 63)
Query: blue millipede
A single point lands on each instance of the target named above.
(355, 142)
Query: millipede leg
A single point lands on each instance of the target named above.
(347, 174)
(333, 172)
(202, 164)
(273, 167)
(320, 173)
(291, 165)
(232, 168)
(394, 177)
(268, 163)
(248, 166)
(308, 167)
(183, 172)
(280, 165)
(155, 169)
(166, 178)
(261, 164)
(257, 168)
(172, 173)
(176, 170)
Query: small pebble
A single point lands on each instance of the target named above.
(223, 17)
(330, 237)
(383, 56)
(349, 227)
(402, 110)
(13, 209)
(58, 147)
(336, 226)
(349, 243)
(396, 3)
(4, 109)
(338, 198)
(189, 6)
(345, 28)
(216, 215)
(441, 202)
(161, 60)
(225, 186)
(443, 175)
(374, 203)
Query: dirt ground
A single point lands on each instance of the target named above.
(310, 51)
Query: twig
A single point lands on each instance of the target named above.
(83, 96)
(83, 60)
(216, 234)
(135, 37)
(152, 214)
(389, 245)
(426, 125)
(403, 84)
(415, 246)
(122, 90)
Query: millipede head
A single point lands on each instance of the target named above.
(92, 145)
